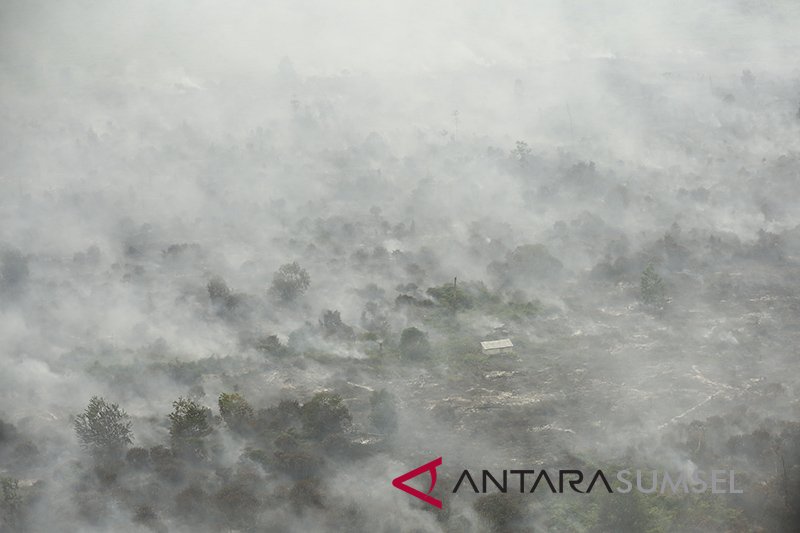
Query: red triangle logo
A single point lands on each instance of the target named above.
(400, 482)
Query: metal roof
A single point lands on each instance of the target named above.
(494, 345)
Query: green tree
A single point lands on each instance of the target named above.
(297, 463)
(103, 428)
(190, 423)
(138, 458)
(414, 343)
(287, 440)
(521, 153)
(165, 463)
(290, 281)
(221, 296)
(271, 344)
(653, 292)
(324, 414)
(452, 296)
(332, 326)
(218, 290)
(236, 412)
(10, 504)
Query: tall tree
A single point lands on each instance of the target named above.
(290, 281)
(189, 424)
(236, 412)
(103, 428)
(324, 414)
(414, 343)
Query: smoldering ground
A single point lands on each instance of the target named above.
(610, 186)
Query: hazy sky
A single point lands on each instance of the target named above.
(388, 37)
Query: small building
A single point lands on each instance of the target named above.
(497, 347)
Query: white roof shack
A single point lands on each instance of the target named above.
(498, 346)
